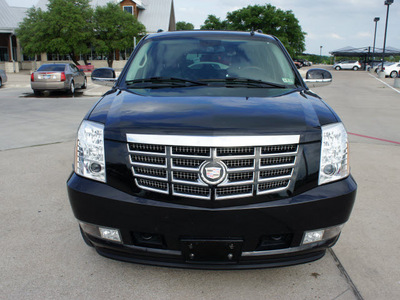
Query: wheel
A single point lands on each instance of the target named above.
(85, 238)
(84, 86)
(37, 93)
(355, 68)
(71, 89)
(337, 68)
(393, 74)
(1, 83)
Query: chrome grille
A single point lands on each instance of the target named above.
(186, 176)
(174, 169)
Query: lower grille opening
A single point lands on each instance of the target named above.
(148, 240)
(275, 241)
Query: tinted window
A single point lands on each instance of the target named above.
(52, 68)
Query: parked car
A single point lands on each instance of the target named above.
(302, 62)
(298, 64)
(392, 70)
(307, 63)
(210, 151)
(3, 77)
(347, 65)
(371, 66)
(66, 77)
(378, 68)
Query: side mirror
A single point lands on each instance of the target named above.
(104, 76)
(318, 77)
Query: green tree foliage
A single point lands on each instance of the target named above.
(214, 23)
(282, 24)
(114, 29)
(65, 28)
(71, 27)
(184, 26)
(30, 32)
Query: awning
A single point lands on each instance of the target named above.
(365, 52)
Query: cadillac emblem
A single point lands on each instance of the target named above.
(213, 172)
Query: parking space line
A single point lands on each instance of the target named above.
(396, 90)
(346, 275)
(374, 138)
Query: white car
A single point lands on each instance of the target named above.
(347, 65)
(392, 70)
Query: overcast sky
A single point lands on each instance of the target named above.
(332, 24)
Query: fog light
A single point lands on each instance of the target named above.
(321, 234)
(110, 234)
(313, 236)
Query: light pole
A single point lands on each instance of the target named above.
(387, 3)
(376, 25)
(320, 54)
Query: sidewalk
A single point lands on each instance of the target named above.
(22, 80)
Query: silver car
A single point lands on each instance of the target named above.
(66, 77)
(347, 65)
(3, 77)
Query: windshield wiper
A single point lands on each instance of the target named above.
(158, 82)
(247, 82)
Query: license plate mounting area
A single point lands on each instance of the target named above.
(212, 250)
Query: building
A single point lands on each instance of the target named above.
(153, 14)
(9, 19)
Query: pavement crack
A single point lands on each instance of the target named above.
(34, 146)
(346, 275)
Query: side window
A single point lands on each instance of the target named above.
(128, 9)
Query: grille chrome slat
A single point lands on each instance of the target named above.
(250, 170)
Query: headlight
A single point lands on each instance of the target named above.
(89, 152)
(334, 163)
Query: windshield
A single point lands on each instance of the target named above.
(212, 59)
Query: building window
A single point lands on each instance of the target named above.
(128, 9)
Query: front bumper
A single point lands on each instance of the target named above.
(265, 234)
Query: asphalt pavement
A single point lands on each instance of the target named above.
(43, 256)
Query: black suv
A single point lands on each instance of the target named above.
(210, 151)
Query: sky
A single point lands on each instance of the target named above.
(332, 24)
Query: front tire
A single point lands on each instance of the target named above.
(37, 93)
(393, 74)
(1, 83)
(338, 68)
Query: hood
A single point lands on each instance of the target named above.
(124, 112)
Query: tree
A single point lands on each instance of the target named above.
(114, 29)
(30, 33)
(65, 28)
(214, 23)
(282, 24)
(184, 26)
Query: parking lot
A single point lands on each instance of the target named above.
(44, 257)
